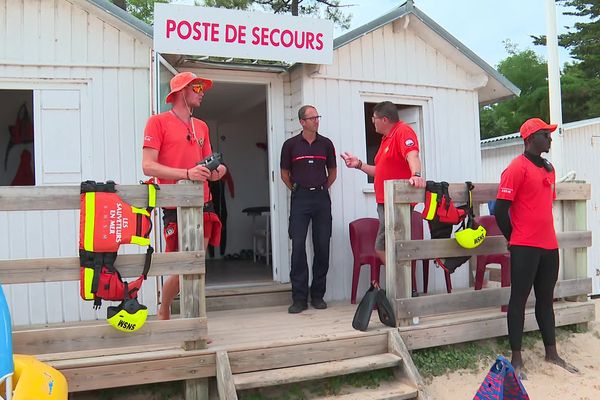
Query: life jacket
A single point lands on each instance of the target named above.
(106, 222)
(442, 214)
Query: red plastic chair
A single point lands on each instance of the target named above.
(416, 233)
(363, 233)
(489, 223)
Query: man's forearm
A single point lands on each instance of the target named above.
(503, 218)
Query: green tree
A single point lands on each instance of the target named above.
(582, 39)
(529, 73)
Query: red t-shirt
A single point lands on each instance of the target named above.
(390, 160)
(175, 143)
(531, 190)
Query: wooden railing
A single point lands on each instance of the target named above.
(573, 240)
(189, 331)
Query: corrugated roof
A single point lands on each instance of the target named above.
(506, 140)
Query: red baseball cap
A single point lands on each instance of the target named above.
(182, 79)
(532, 125)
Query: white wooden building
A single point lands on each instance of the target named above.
(581, 152)
(87, 65)
(83, 69)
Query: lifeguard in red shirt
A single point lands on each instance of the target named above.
(174, 143)
(523, 211)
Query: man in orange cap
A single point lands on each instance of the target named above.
(527, 190)
(174, 143)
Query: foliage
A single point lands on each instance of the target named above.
(582, 39)
(580, 94)
(529, 73)
(437, 361)
(141, 9)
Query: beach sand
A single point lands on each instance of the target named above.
(544, 381)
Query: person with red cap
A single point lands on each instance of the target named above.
(174, 143)
(524, 214)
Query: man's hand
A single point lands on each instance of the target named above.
(198, 173)
(417, 181)
(350, 160)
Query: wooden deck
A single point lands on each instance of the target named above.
(273, 326)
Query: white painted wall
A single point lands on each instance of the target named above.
(90, 78)
(581, 154)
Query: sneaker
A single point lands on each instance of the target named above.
(297, 307)
(319, 304)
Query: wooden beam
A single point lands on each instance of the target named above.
(129, 265)
(575, 260)
(396, 346)
(29, 198)
(133, 372)
(492, 324)
(442, 248)
(475, 299)
(242, 361)
(100, 335)
(405, 193)
(397, 228)
(225, 385)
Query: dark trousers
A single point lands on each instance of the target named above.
(532, 266)
(307, 206)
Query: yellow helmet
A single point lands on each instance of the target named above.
(470, 238)
(129, 316)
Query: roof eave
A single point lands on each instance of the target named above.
(124, 16)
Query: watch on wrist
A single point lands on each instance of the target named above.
(417, 174)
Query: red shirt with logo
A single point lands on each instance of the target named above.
(532, 191)
(176, 144)
(390, 160)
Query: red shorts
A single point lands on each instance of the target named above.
(212, 232)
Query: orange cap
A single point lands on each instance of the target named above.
(182, 79)
(532, 125)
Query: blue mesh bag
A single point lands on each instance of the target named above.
(501, 383)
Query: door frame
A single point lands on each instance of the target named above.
(276, 126)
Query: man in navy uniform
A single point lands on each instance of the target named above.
(308, 169)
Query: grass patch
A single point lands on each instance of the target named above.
(436, 361)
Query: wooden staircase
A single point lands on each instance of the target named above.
(330, 357)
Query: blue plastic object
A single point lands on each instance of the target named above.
(501, 383)
(6, 355)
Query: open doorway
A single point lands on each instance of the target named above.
(16, 138)
(236, 114)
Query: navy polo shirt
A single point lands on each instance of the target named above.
(307, 162)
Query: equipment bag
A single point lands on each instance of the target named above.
(106, 222)
(501, 383)
(442, 214)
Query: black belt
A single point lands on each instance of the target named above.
(311, 189)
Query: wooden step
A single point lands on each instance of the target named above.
(397, 391)
(283, 376)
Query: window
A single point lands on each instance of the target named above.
(410, 114)
(16, 138)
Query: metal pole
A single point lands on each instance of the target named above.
(554, 87)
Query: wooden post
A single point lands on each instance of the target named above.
(575, 260)
(397, 228)
(192, 297)
(225, 384)
(396, 346)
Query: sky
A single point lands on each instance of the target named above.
(481, 25)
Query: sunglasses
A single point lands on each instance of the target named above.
(315, 118)
(197, 88)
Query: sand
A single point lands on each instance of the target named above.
(544, 381)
